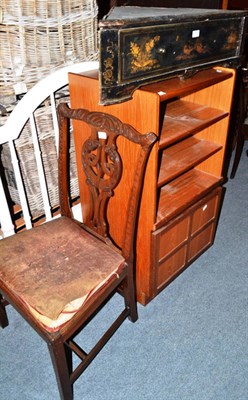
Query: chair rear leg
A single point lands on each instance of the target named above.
(130, 298)
(3, 315)
(61, 357)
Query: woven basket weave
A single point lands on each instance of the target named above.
(25, 152)
(40, 36)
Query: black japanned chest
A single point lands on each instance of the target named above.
(139, 45)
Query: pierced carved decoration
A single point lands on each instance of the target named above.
(102, 166)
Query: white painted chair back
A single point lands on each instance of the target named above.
(11, 131)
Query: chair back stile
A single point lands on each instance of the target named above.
(63, 159)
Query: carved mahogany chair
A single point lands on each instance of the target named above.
(60, 274)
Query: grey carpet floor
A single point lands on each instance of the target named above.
(190, 343)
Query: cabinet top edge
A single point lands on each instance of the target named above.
(179, 86)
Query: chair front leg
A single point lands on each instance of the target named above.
(3, 315)
(61, 357)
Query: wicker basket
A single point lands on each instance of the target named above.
(38, 37)
(25, 153)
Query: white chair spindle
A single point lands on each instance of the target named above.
(20, 186)
(40, 169)
(6, 225)
(55, 121)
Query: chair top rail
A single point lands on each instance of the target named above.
(36, 95)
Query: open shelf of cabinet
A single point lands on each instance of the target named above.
(182, 188)
(184, 118)
(183, 156)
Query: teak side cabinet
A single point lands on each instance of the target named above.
(182, 188)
